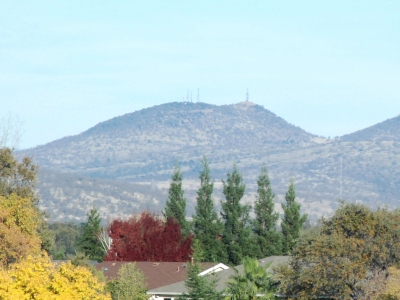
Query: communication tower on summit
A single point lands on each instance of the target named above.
(247, 95)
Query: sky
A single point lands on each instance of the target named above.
(329, 67)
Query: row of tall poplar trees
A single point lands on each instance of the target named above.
(234, 235)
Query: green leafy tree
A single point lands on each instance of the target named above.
(254, 283)
(206, 225)
(17, 177)
(236, 235)
(175, 207)
(130, 284)
(264, 224)
(66, 237)
(89, 242)
(201, 287)
(349, 256)
(292, 220)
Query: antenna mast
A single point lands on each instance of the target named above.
(247, 95)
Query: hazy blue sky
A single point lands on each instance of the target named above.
(330, 67)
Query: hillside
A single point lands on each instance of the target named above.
(388, 130)
(124, 146)
(69, 197)
(137, 151)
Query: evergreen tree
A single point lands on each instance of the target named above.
(264, 224)
(89, 243)
(292, 220)
(206, 225)
(236, 234)
(175, 207)
(200, 287)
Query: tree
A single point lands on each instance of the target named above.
(292, 220)
(130, 284)
(236, 234)
(200, 287)
(105, 240)
(264, 224)
(20, 178)
(175, 207)
(148, 238)
(347, 257)
(81, 260)
(36, 277)
(19, 223)
(255, 282)
(88, 242)
(10, 131)
(206, 225)
(66, 237)
(17, 177)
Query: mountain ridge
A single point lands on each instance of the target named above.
(170, 127)
(388, 130)
(142, 148)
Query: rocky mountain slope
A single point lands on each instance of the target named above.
(136, 143)
(388, 130)
(138, 150)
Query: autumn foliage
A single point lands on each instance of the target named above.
(36, 277)
(19, 221)
(148, 238)
(347, 257)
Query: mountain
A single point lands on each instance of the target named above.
(68, 197)
(388, 130)
(152, 139)
(105, 165)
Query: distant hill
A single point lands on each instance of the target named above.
(150, 140)
(388, 130)
(114, 164)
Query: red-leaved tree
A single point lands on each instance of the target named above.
(148, 238)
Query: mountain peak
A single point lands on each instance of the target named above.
(171, 128)
(245, 104)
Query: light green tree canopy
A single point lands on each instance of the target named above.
(130, 284)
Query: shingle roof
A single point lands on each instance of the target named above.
(223, 277)
(156, 274)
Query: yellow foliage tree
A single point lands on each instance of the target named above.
(19, 222)
(37, 278)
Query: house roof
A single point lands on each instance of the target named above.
(156, 274)
(222, 276)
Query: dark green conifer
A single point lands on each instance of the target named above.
(175, 207)
(89, 242)
(237, 234)
(264, 224)
(292, 220)
(206, 225)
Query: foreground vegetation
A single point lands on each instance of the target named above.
(352, 255)
(26, 271)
